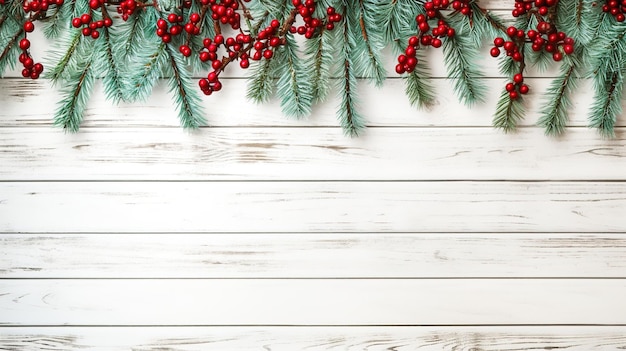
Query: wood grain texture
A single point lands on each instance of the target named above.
(318, 154)
(293, 255)
(30, 103)
(312, 207)
(339, 302)
(315, 339)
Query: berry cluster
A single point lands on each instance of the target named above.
(37, 7)
(165, 31)
(89, 26)
(31, 69)
(430, 34)
(34, 9)
(544, 37)
(542, 7)
(126, 8)
(225, 12)
(433, 7)
(517, 87)
(616, 8)
(311, 24)
(220, 50)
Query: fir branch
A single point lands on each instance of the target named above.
(318, 63)
(397, 18)
(418, 86)
(185, 95)
(77, 91)
(129, 35)
(607, 104)
(507, 66)
(366, 40)
(460, 60)
(557, 100)
(147, 66)
(294, 87)
(67, 54)
(106, 66)
(508, 112)
(581, 25)
(260, 86)
(56, 24)
(349, 117)
(484, 24)
(9, 36)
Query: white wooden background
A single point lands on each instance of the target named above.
(433, 231)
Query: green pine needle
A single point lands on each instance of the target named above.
(67, 55)
(366, 40)
(261, 85)
(56, 22)
(397, 18)
(349, 117)
(607, 104)
(76, 91)
(460, 60)
(507, 66)
(508, 112)
(294, 87)
(580, 26)
(106, 66)
(10, 34)
(485, 24)
(319, 62)
(185, 93)
(557, 100)
(149, 69)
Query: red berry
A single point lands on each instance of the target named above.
(523, 89)
(29, 26)
(24, 44)
(568, 49)
(511, 31)
(268, 54)
(513, 95)
(518, 78)
(495, 52)
(76, 22)
(85, 18)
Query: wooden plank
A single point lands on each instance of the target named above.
(312, 302)
(318, 154)
(29, 103)
(315, 339)
(293, 255)
(312, 207)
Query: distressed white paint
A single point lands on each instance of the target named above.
(315, 255)
(136, 235)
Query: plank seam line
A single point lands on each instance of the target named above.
(502, 181)
(617, 233)
(304, 325)
(307, 233)
(313, 278)
(176, 127)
